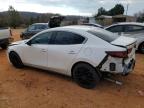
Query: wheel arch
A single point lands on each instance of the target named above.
(79, 62)
(12, 51)
(140, 45)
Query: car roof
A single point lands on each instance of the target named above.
(129, 23)
(92, 24)
(76, 28)
(125, 23)
(40, 24)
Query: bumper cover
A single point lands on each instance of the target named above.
(128, 67)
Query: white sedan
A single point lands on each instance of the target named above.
(83, 52)
(130, 29)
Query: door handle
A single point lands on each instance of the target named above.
(43, 50)
(72, 52)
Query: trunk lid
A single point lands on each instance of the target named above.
(126, 42)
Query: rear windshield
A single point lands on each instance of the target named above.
(104, 35)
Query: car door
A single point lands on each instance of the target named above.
(134, 30)
(35, 51)
(63, 50)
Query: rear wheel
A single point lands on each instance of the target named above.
(15, 60)
(141, 48)
(85, 75)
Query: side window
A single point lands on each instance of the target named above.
(40, 27)
(42, 38)
(31, 28)
(133, 28)
(68, 38)
(116, 29)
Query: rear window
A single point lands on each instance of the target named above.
(104, 35)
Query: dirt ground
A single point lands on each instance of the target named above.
(34, 88)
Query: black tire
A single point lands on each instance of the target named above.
(85, 75)
(141, 48)
(4, 46)
(15, 60)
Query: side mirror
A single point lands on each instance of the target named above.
(29, 43)
(119, 33)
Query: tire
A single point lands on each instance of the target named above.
(141, 48)
(4, 46)
(15, 60)
(85, 76)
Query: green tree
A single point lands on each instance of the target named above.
(14, 17)
(118, 9)
(101, 11)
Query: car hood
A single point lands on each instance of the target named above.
(123, 41)
(18, 42)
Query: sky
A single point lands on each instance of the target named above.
(70, 7)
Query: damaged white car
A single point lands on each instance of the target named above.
(82, 52)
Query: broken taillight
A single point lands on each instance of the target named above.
(118, 54)
(129, 50)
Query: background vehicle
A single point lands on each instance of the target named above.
(93, 25)
(55, 21)
(82, 52)
(5, 37)
(33, 29)
(134, 30)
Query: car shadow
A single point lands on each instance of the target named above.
(48, 72)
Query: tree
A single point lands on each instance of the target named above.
(14, 17)
(101, 11)
(139, 16)
(118, 9)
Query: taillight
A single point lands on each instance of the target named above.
(129, 50)
(118, 54)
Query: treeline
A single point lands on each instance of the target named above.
(13, 18)
(140, 16)
(116, 10)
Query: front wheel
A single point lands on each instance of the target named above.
(15, 60)
(86, 76)
(141, 48)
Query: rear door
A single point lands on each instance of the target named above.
(63, 50)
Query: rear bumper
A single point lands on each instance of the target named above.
(128, 67)
(6, 41)
(118, 65)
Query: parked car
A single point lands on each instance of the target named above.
(33, 29)
(93, 25)
(82, 52)
(5, 37)
(130, 29)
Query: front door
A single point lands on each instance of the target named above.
(36, 52)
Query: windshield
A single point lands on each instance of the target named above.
(104, 34)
